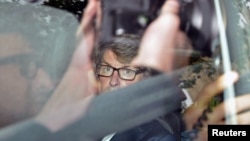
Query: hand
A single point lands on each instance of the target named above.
(161, 38)
(217, 115)
(79, 81)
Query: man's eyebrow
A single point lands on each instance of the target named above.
(131, 68)
(104, 63)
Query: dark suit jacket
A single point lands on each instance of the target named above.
(166, 128)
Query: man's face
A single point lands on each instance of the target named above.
(108, 83)
(21, 84)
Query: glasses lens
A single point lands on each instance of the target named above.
(105, 70)
(127, 74)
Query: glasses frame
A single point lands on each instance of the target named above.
(140, 70)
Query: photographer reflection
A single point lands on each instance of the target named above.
(32, 60)
(25, 85)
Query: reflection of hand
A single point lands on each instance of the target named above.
(79, 81)
(217, 115)
(91, 22)
(160, 40)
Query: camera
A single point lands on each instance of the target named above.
(130, 16)
(133, 16)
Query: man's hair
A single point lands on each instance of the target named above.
(124, 46)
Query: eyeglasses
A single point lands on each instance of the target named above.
(124, 73)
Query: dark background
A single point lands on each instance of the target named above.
(74, 6)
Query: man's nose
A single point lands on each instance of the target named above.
(43, 81)
(114, 79)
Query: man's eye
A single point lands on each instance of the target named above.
(105, 69)
(128, 72)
